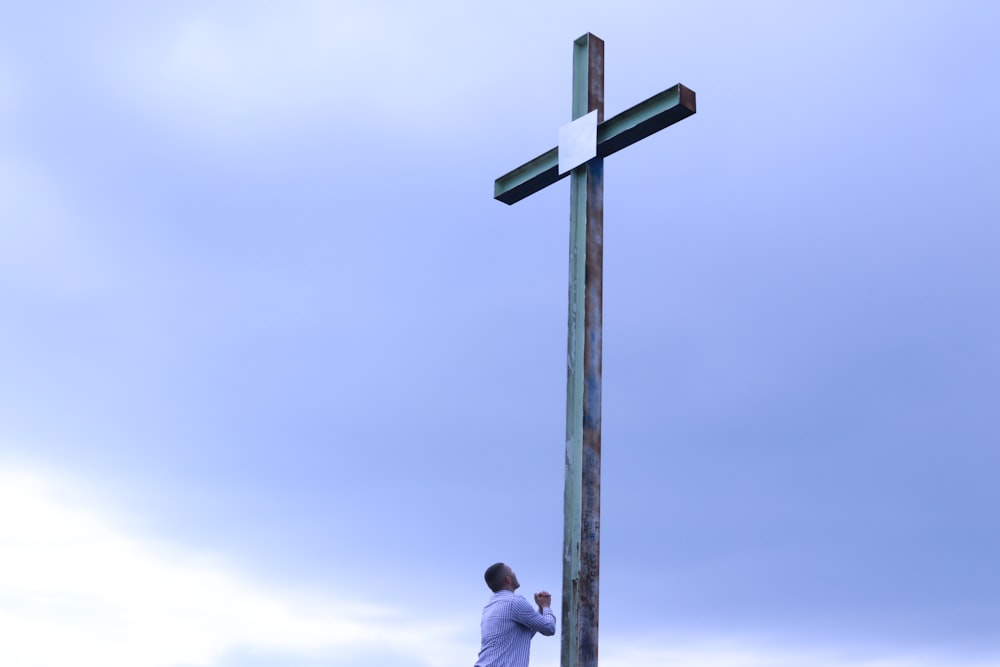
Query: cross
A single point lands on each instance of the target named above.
(590, 138)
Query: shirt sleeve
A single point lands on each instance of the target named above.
(529, 617)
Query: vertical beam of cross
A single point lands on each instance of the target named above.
(582, 494)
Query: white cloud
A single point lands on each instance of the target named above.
(238, 69)
(73, 590)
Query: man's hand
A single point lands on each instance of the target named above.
(543, 599)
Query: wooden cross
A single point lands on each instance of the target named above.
(582, 494)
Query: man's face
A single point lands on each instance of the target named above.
(514, 583)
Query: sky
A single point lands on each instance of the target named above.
(279, 379)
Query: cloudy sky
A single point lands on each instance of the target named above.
(279, 378)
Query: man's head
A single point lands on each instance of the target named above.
(499, 577)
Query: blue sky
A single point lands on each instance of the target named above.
(279, 379)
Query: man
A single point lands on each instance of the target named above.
(509, 621)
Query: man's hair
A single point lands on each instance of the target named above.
(496, 576)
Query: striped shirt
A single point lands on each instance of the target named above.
(509, 623)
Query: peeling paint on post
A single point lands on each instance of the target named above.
(582, 496)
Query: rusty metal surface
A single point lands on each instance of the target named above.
(529, 178)
(582, 510)
(590, 538)
(648, 117)
(624, 129)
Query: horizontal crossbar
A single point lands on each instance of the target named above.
(659, 111)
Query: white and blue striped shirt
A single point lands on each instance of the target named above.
(509, 623)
